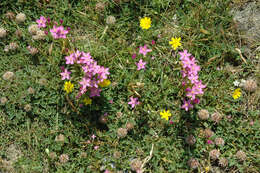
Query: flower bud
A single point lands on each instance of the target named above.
(10, 15)
(216, 117)
(193, 163)
(223, 162)
(2, 33)
(111, 20)
(8, 75)
(219, 142)
(250, 85)
(27, 107)
(203, 114)
(191, 140)
(241, 155)
(214, 154)
(64, 158)
(20, 18)
(121, 132)
(136, 165)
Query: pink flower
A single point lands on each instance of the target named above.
(184, 55)
(191, 92)
(70, 59)
(171, 122)
(193, 78)
(144, 50)
(93, 136)
(209, 142)
(58, 32)
(187, 63)
(141, 64)
(85, 59)
(133, 102)
(62, 68)
(61, 21)
(41, 22)
(153, 58)
(48, 20)
(96, 147)
(85, 83)
(111, 101)
(107, 171)
(134, 56)
(54, 31)
(196, 101)
(153, 42)
(186, 105)
(62, 32)
(95, 92)
(65, 74)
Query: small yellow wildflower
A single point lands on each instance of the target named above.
(145, 23)
(236, 93)
(68, 87)
(166, 114)
(175, 42)
(105, 83)
(87, 101)
(207, 168)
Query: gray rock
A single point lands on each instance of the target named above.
(248, 20)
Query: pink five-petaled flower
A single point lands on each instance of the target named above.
(96, 147)
(62, 32)
(41, 22)
(191, 92)
(141, 64)
(54, 31)
(85, 83)
(70, 59)
(184, 55)
(133, 102)
(58, 32)
(186, 105)
(144, 50)
(65, 74)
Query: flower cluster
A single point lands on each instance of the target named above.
(94, 75)
(193, 86)
(56, 31)
(140, 65)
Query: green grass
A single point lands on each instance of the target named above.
(207, 31)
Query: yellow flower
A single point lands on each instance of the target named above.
(87, 101)
(105, 83)
(175, 42)
(68, 87)
(236, 93)
(166, 114)
(207, 168)
(145, 23)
